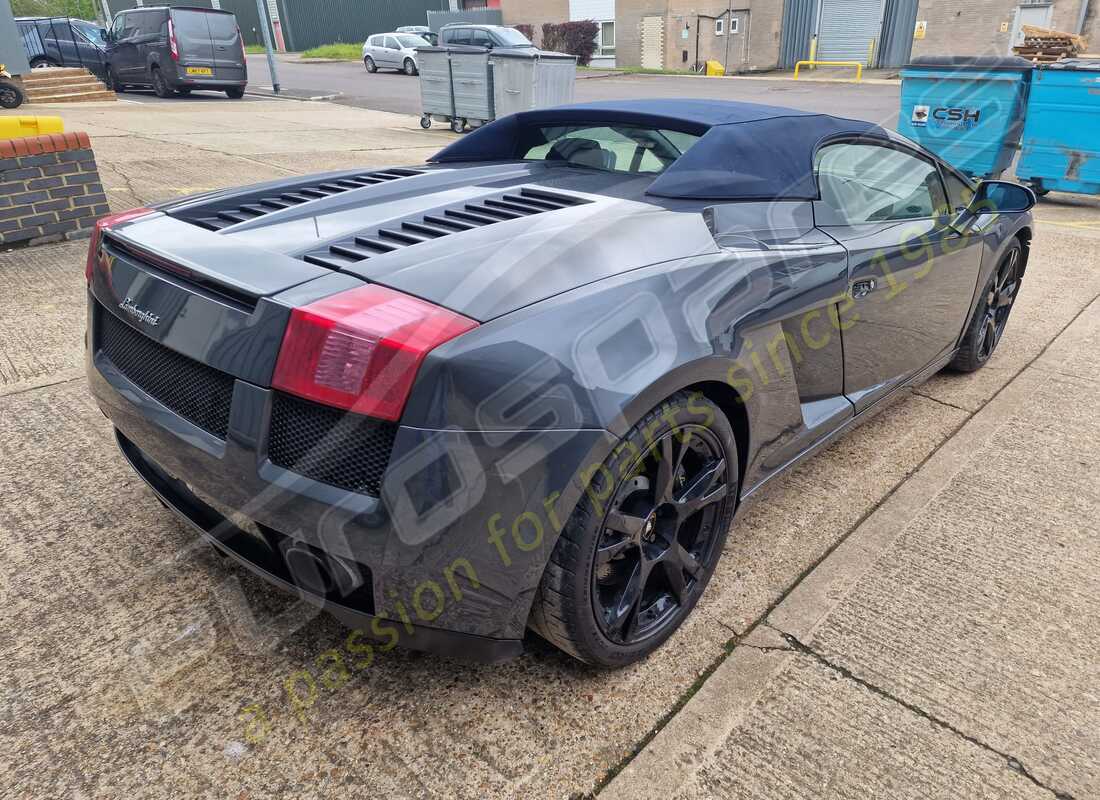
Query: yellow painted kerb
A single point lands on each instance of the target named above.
(19, 127)
(810, 63)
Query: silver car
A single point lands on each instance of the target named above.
(392, 51)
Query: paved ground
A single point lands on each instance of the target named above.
(392, 91)
(911, 613)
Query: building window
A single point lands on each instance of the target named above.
(719, 27)
(735, 25)
(605, 41)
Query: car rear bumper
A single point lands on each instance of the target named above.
(239, 545)
(423, 559)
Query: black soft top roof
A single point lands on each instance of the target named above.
(747, 151)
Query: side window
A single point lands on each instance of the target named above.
(480, 38)
(959, 191)
(118, 27)
(375, 41)
(458, 36)
(391, 43)
(875, 183)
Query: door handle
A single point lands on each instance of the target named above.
(862, 288)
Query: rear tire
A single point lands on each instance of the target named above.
(11, 96)
(235, 94)
(991, 316)
(41, 62)
(160, 84)
(368, 62)
(655, 536)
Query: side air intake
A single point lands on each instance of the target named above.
(489, 211)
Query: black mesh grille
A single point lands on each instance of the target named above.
(329, 445)
(198, 393)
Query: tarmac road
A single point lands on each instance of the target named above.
(393, 91)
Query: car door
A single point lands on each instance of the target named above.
(393, 52)
(124, 53)
(911, 277)
(196, 48)
(229, 64)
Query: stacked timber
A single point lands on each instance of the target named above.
(1045, 46)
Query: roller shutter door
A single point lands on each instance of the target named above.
(847, 28)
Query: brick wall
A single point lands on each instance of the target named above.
(754, 47)
(535, 13)
(49, 189)
(974, 28)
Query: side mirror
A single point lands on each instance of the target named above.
(1002, 196)
(994, 197)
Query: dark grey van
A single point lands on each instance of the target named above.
(175, 50)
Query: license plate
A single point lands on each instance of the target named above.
(200, 71)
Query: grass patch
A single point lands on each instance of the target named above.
(344, 52)
(255, 49)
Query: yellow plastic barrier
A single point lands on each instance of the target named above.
(19, 127)
(858, 65)
(715, 68)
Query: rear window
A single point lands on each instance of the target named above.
(222, 26)
(191, 24)
(617, 148)
(510, 37)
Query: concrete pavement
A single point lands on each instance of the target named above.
(935, 573)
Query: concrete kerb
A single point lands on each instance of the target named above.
(671, 758)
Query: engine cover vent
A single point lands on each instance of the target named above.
(489, 211)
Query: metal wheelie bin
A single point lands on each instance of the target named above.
(472, 81)
(523, 82)
(436, 94)
(1061, 147)
(969, 110)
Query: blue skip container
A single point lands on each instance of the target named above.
(967, 110)
(1061, 147)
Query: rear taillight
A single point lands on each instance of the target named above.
(244, 53)
(106, 223)
(172, 45)
(360, 350)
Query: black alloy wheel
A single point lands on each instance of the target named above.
(642, 543)
(998, 303)
(991, 316)
(660, 530)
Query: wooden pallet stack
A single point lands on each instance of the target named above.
(1045, 46)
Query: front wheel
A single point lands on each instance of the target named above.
(410, 67)
(639, 549)
(991, 316)
(368, 62)
(236, 93)
(42, 63)
(11, 96)
(160, 85)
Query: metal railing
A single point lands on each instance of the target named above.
(63, 45)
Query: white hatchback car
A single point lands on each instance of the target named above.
(392, 51)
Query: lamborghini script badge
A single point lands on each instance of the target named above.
(128, 306)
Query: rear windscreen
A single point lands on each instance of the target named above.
(222, 26)
(191, 25)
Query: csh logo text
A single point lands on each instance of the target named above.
(945, 117)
